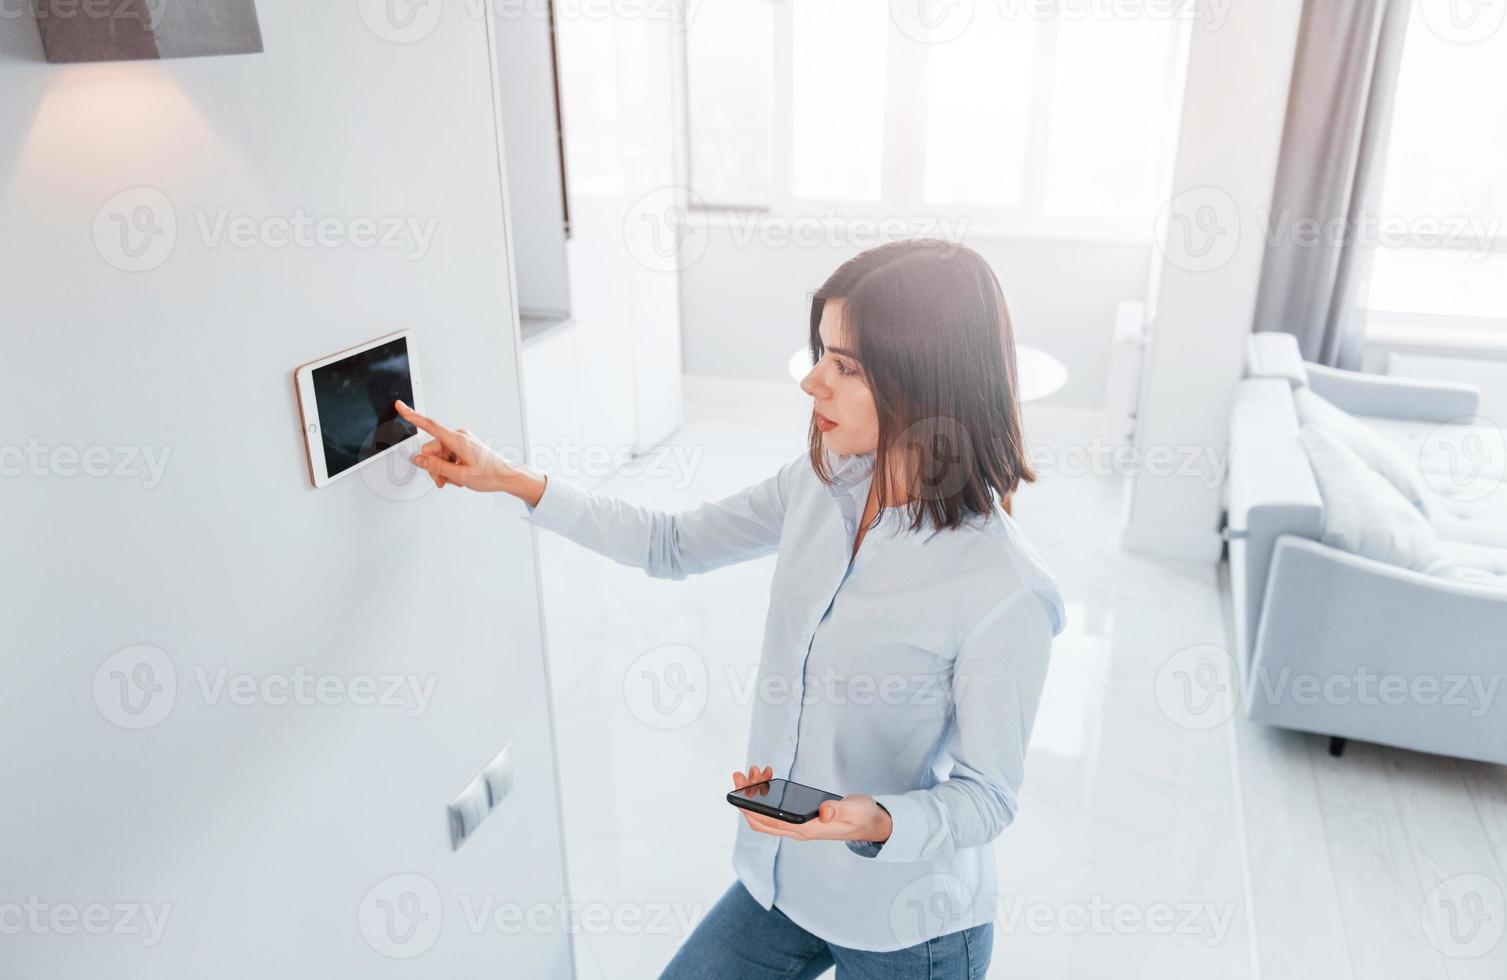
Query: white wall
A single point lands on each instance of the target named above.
(263, 827)
(1209, 264)
(746, 304)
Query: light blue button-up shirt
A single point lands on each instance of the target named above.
(911, 673)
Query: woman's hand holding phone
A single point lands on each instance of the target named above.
(456, 456)
(855, 817)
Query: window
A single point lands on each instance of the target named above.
(1439, 253)
(976, 154)
(836, 119)
(1110, 89)
(1025, 116)
(727, 104)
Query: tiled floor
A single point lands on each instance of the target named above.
(1130, 857)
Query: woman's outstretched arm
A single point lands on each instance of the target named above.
(743, 526)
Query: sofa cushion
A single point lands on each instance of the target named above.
(1476, 564)
(1465, 518)
(1379, 452)
(1463, 451)
(1364, 514)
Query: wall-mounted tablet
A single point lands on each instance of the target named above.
(346, 401)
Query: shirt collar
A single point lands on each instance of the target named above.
(848, 472)
(850, 476)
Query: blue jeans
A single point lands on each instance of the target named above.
(738, 939)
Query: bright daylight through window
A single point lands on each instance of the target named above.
(995, 111)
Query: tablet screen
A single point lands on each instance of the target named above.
(355, 398)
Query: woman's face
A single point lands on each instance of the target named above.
(842, 403)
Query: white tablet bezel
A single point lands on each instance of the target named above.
(308, 407)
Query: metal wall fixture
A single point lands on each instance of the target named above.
(134, 30)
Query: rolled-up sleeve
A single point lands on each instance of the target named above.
(741, 527)
(997, 684)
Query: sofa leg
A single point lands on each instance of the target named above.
(1336, 746)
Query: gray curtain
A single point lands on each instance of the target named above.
(1338, 111)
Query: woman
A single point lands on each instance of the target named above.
(908, 634)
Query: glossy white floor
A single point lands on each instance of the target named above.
(1150, 843)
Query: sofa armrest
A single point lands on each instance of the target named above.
(1397, 398)
(1269, 491)
(1354, 647)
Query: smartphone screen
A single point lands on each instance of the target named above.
(355, 396)
(784, 796)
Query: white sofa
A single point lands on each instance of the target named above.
(1349, 646)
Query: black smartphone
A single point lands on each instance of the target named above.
(781, 799)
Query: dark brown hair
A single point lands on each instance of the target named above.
(927, 322)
